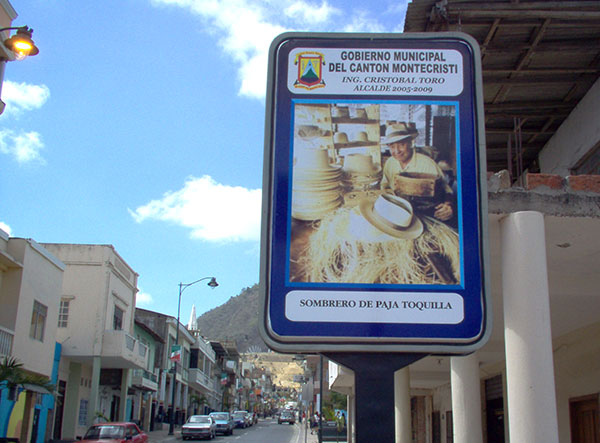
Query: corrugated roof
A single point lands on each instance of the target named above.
(539, 58)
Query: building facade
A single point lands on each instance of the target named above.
(30, 291)
(96, 332)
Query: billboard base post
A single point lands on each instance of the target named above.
(374, 384)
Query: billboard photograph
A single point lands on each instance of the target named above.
(373, 234)
(374, 198)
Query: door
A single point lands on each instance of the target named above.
(584, 419)
(494, 405)
(36, 423)
(114, 408)
(58, 412)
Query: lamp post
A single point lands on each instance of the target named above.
(182, 287)
(21, 43)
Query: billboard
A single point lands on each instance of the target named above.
(374, 201)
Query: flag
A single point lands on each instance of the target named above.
(175, 353)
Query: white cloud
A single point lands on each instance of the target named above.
(309, 13)
(246, 28)
(25, 147)
(143, 299)
(361, 22)
(214, 212)
(245, 33)
(5, 228)
(20, 97)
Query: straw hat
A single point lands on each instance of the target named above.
(360, 164)
(309, 131)
(397, 132)
(340, 137)
(340, 111)
(362, 137)
(360, 113)
(393, 215)
(314, 160)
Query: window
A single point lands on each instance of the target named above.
(63, 313)
(118, 319)
(83, 408)
(38, 321)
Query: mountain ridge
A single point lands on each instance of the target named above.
(235, 320)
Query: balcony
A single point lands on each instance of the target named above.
(121, 350)
(6, 340)
(144, 380)
(199, 378)
(205, 348)
(230, 366)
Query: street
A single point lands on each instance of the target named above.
(266, 430)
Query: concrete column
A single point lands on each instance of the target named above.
(123, 399)
(148, 412)
(466, 399)
(138, 405)
(162, 386)
(402, 406)
(532, 415)
(94, 392)
(178, 403)
(184, 402)
(71, 406)
(351, 419)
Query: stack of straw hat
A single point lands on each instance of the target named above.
(316, 185)
(360, 173)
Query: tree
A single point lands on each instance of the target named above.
(198, 400)
(13, 376)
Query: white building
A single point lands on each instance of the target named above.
(30, 288)
(196, 389)
(96, 331)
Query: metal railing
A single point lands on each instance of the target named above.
(6, 341)
(202, 378)
(145, 374)
(129, 342)
(142, 349)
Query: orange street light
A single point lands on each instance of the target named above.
(21, 43)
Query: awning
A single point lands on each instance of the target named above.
(36, 388)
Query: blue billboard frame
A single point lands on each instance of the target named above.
(287, 334)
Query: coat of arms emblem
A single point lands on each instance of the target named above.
(309, 70)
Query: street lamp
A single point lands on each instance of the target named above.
(182, 287)
(21, 43)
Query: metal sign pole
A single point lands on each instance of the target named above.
(374, 381)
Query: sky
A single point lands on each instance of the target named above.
(140, 124)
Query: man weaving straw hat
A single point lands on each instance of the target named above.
(404, 160)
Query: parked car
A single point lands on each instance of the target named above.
(224, 422)
(250, 418)
(115, 432)
(287, 417)
(202, 426)
(239, 418)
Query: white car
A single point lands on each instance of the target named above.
(199, 426)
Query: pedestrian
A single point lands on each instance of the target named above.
(314, 422)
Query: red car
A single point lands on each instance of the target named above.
(115, 433)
